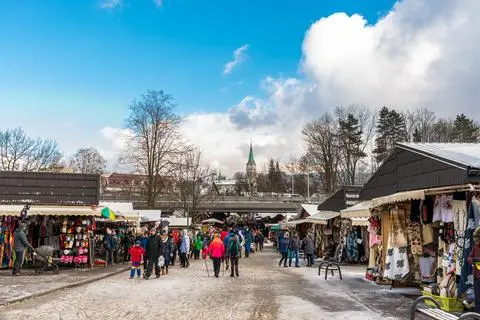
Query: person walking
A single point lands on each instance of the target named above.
(154, 251)
(295, 250)
(185, 249)
(233, 253)
(143, 238)
(216, 251)
(175, 246)
(167, 251)
(225, 243)
(136, 254)
(198, 247)
(309, 250)
(283, 246)
(20, 245)
(110, 245)
(128, 242)
(248, 242)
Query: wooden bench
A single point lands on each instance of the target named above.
(329, 266)
(437, 313)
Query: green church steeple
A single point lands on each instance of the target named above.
(251, 160)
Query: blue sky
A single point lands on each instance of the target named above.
(80, 60)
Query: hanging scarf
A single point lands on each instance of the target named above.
(466, 278)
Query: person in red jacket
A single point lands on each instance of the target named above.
(136, 253)
(216, 250)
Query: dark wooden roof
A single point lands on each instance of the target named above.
(407, 169)
(344, 197)
(49, 188)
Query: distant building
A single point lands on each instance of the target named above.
(251, 169)
(123, 185)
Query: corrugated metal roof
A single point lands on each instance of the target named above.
(466, 154)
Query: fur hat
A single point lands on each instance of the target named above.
(476, 233)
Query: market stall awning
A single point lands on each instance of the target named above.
(399, 197)
(62, 211)
(212, 221)
(296, 222)
(10, 210)
(360, 221)
(360, 210)
(322, 217)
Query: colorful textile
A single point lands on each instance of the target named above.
(466, 278)
(397, 265)
(460, 218)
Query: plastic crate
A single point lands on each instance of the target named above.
(446, 304)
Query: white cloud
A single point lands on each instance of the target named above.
(422, 53)
(111, 4)
(239, 56)
(158, 3)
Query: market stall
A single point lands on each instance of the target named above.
(422, 209)
(67, 229)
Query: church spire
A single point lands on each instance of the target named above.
(251, 160)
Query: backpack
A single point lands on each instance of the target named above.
(233, 249)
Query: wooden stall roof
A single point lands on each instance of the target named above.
(47, 188)
(414, 166)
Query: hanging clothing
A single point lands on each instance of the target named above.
(352, 247)
(443, 208)
(427, 209)
(397, 265)
(427, 267)
(459, 223)
(466, 278)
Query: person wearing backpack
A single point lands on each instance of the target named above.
(233, 253)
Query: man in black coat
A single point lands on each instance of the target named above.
(154, 251)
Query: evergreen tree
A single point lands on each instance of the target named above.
(351, 142)
(280, 186)
(417, 136)
(465, 130)
(391, 129)
(271, 179)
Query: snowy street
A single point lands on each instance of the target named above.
(263, 291)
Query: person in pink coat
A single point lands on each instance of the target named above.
(216, 251)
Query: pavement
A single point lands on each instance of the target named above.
(30, 285)
(263, 291)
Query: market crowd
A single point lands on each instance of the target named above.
(155, 249)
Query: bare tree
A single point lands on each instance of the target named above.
(88, 160)
(241, 184)
(420, 124)
(356, 132)
(19, 152)
(321, 137)
(194, 183)
(155, 143)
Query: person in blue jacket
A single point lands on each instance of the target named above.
(225, 243)
(283, 245)
(248, 242)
